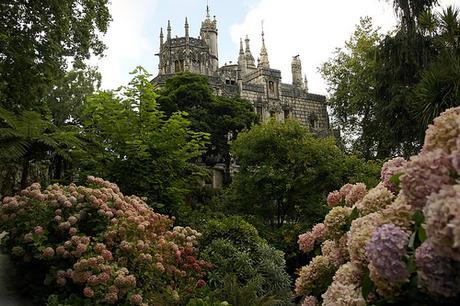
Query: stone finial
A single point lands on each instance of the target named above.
(248, 54)
(169, 30)
(296, 67)
(186, 27)
(263, 60)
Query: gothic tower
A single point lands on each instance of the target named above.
(208, 33)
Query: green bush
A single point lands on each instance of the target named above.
(242, 258)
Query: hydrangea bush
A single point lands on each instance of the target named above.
(398, 242)
(93, 245)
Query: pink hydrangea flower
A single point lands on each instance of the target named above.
(48, 252)
(88, 292)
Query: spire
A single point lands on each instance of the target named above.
(242, 60)
(305, 83)
(207, 10)
(263, 60)
(161, 37)
(186, 27)
(169, 30)
(249, 57)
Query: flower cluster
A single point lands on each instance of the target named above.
(348, 194)
(336, 221)
(307, 240)
(442, 214)
(385, 252)
(439, 274)
(109, 247)
(361, 231)
(310, 301)
(425, 174)
(345, 288)
(315, 277)
(425, 207)
(375, 200)
(332, 250)
(444, 133)
(391, 168)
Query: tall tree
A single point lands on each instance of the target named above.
(351, 78)
(222, 117)
(286, 173)
(439, 87)
(38, 39)
(133, 143)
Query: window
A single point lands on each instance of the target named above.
(272, 114)
(287, 114)
(271, 86)
(178, 65)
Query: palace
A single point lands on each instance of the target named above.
(260, 84)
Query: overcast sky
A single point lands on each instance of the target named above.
(310, 28)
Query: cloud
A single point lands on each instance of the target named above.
(128, 41)
(312, 29)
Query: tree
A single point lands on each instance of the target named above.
(134, 144)
(351, 78)
(37, 40)
(439, 88)
(285, 173)
(222, 117)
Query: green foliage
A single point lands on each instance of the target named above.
(246, 267)
(385, 91)
(36, 42)
(439, 88)
(27, 137)
(286, 173)
(351, 78)
(222, 117)
(134, 144)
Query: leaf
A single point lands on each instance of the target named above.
(421, 234)
(354, 214)
(418, 217)
(412, 240)
(367, 285)
(395, 179)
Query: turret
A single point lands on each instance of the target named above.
(208, 33)
(263, 59)
(249, 58)
(296, 66)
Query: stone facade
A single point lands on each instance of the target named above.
(260, 84)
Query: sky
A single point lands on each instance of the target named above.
(310, 28)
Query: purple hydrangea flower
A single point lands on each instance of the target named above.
(439, 274)
(385, 252)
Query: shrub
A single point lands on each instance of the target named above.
(93, 245)
(402, 238)
(241, 257)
